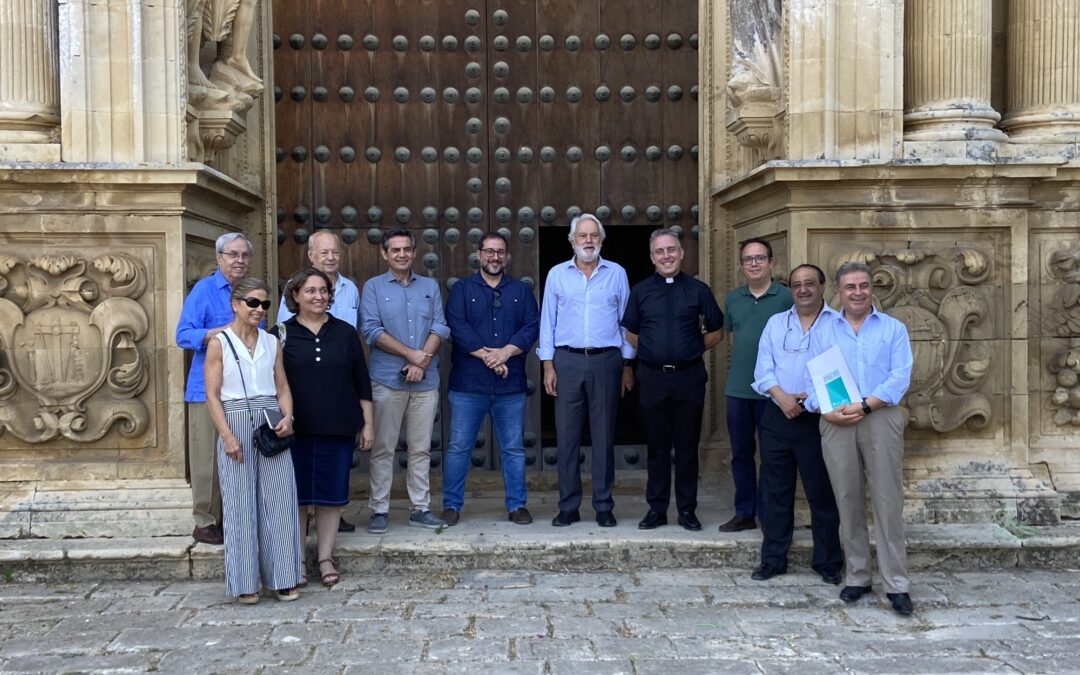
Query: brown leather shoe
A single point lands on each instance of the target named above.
(451, 516)
(211, 534)
(520, 516)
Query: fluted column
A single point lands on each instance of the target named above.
(947, 56)
(29, 79)
(1043, 91)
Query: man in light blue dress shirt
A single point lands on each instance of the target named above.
(863, 441)
(324, 254)
(586, 360)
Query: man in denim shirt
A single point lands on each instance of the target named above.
(401, 317)
(205, 313)
(494, 320)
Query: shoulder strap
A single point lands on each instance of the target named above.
(240, 369)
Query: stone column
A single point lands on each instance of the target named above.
(947, 45)
(1043, 90)
(29, 81)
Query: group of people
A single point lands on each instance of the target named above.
(597, 339)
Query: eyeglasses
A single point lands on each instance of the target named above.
(255, 302)
(497, 302)
(802, 343)
(494, 252)
(751, 259)
(235, 255)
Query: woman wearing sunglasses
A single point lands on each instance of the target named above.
(325, 365)
(245, 382)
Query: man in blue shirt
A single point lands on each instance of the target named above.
(790, 440)
(324, 254)
(493, 320)
(206, 312)
(586, 359)
(401, 317)
(863, 441)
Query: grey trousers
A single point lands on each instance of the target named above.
(587, 385)
(202, 467)
(870, 453)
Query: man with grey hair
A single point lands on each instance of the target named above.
(863, 441)
(586, 360)
(206, 312)
(324, 254)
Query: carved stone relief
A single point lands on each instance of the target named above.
(218, 102)
(1062, 320)
(70, 362)
(755, 81)
(935, 293)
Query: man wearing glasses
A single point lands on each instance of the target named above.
(493, 321)
(746, 309)
(401, 317)
(790, 440)
(586, 361)
(672, 319)
(206, 312)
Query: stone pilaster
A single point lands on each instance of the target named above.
(947, 57)
(29, 87)
(1043, 92)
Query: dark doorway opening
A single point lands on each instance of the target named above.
(627, 245)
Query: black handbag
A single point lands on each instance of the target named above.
(263, 437)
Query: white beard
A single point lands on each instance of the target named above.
(580, 254)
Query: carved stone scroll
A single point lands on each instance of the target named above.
(1063, 320)
(70, 363)
(935, 293)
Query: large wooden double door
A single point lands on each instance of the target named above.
(453, 117)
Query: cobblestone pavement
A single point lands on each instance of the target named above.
(682, 621)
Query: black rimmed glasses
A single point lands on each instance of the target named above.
(754, 259)
(494, 252)
(255, 302)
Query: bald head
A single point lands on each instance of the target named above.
(324, 252)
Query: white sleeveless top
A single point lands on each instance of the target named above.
(258, 369)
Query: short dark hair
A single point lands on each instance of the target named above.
(850, 267)
(397, 233)
(296, 282)
(755, 240)
(492, 235)
(820, 272)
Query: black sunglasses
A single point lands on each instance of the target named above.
(255, 302)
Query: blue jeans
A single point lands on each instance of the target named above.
(467, 412)
(743, 420)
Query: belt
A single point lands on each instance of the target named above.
(587, 351)
(670, 367)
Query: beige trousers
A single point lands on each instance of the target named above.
(870, 453)
(391, 408)
(202, 466)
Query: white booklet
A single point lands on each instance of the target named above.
(832, 380)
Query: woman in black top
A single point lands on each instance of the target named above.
(326, 370)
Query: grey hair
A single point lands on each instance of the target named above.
(323, 233)
(229, 237)
(247, 285)
(586, 216)
(656, 234)
(849, 267)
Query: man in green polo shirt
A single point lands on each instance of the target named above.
(746, 310)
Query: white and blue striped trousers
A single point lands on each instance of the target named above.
(259, 511)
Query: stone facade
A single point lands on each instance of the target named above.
(934, 140)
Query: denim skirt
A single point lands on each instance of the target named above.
(321, 464)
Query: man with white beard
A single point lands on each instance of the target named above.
(586, 361)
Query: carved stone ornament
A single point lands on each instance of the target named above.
(1062, 319)
(70, 364)
(933, 292)
(754, 85)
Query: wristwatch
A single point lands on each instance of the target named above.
(866, 409)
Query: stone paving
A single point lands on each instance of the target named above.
(497, 621)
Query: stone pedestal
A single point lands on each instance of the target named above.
(29, 91)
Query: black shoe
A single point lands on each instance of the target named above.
(853, 593)
(605, 519)
(739, 523)
(831, 576)
(565, 518)
(689, 521)
(211, 534)
(345, 526)
(901, 603)
(652, 520)
(765, 571)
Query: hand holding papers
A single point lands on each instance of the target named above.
(832, 380)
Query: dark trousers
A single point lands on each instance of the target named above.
(743, 420)
(788, 446)
(587, 384)
(672, 404)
